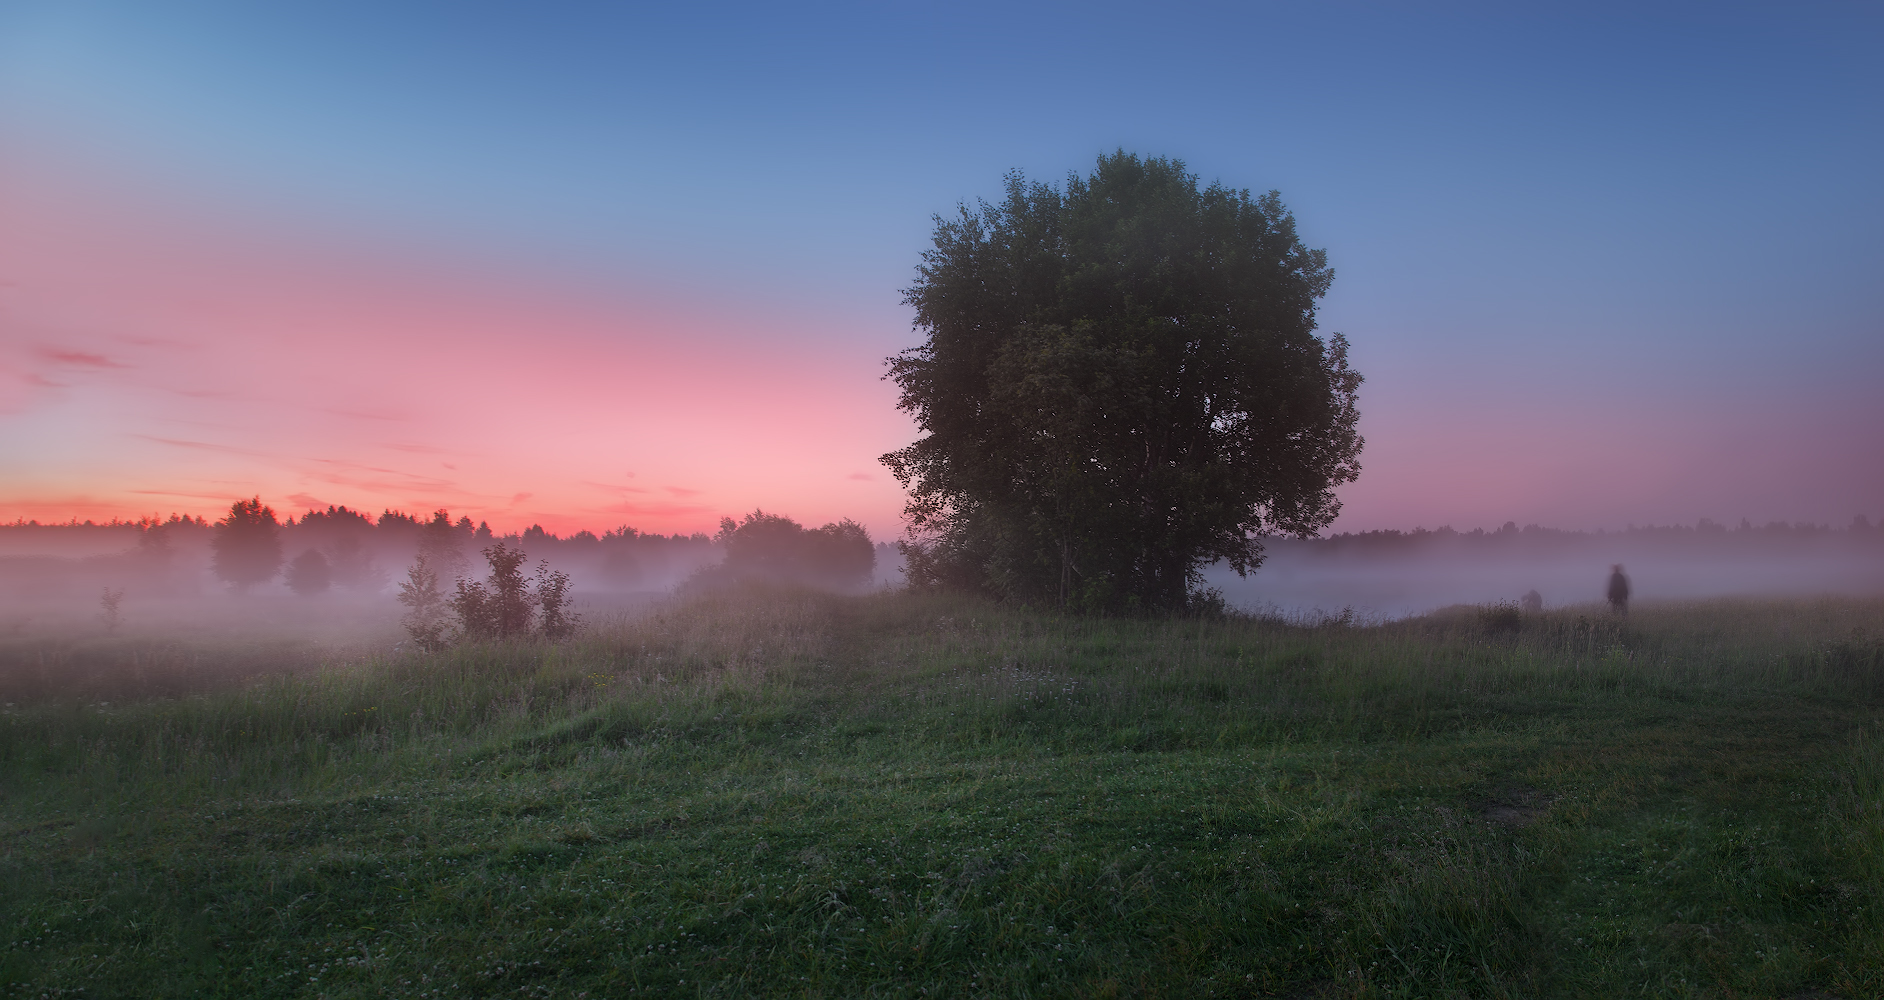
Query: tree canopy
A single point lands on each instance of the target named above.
(1120, 385)
(774, 547)
(247, 543)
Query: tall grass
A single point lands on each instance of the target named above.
(775, 792)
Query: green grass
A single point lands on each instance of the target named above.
(782, 794)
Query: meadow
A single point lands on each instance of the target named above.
(784, 794)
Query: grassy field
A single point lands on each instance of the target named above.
(783, 794)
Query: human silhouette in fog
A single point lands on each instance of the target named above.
(1618, 590)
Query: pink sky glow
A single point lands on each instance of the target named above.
(156, 361)
(159, 355)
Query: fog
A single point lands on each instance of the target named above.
(54, 579)
(57, 580)
(1393, 574)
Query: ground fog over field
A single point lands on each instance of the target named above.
(54, 576)
(1394, 574)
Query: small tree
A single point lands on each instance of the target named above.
(247, 544)
(551, 592)
(309, 574)
(502, 606)
(425, 618)
(108, 609)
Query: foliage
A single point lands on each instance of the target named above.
(1501, 618)
(497, 608)
(908, 795)
(508, 606)
(247, 544)
(344, 538)
(442, 543)
(1121, 384)
(550, 592)
(309, 574)
(425, 620)
(336, 521)
(168, 553)
(776, 548)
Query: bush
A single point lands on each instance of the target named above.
(498, 608)
(774, 548)
(1502, 618)
(503, 606)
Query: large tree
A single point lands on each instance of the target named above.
(247, 544)
(1121, 384)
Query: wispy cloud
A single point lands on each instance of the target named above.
(380, 480)
(656, 508)
(79, 359)
(218, 497)
(202, 445)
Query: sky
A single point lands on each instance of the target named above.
(588, 265)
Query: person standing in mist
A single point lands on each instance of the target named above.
(1618, 590)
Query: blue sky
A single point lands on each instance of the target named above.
(1647, 233)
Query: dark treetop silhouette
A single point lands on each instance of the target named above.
(247, 544)
(775, 548)
(1121, 384)
(1618, 590)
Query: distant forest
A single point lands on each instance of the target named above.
(366, 554)
(1705, 534)
(171, 555)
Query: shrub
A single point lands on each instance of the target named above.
(1502, 618)
(507, 606)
